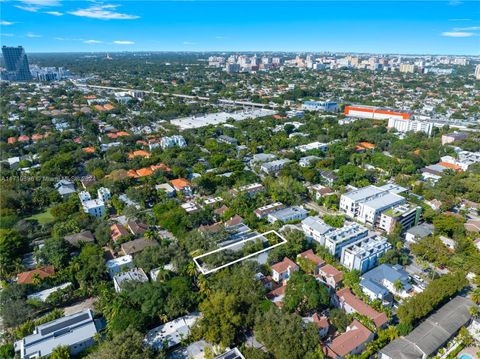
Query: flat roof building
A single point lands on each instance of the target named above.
(432, 334)
(171, 333)
(363, 255)
(76, 331)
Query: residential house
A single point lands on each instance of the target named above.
(29, 277)
(346, 300)
(137, 246)
(274, 166)
(119, 264)
(329, 177)
(76, 239)
(352, 342)
(315, 261)
(330, 275)
(288, 214)
(320, 191)
(133, 275)
(250, 189)
(117, 231)
(264, 211)
(182, 185)
(171, 334)
(283, 270)
(315, 228)
(136, 227)
(65, 188)
(386, 280)
(165, 187)
(418, 232)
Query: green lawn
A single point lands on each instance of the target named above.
(43, 217)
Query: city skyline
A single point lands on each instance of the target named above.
(388, 27)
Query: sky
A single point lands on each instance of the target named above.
(404, 27)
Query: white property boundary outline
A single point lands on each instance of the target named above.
(205, 272)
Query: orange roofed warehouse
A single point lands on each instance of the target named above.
(374, 113)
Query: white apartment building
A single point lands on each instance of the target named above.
(104, 194)
(94, 207)
(464, 160)
(172, 141)
(312, 146)
(402, 125)
(338, 238)
(334, 239)
(365, 204)
(314, 228)
(405, 215)
(363, 254)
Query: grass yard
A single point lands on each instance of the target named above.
(43, 217)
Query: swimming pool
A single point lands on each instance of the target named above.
(465, 356)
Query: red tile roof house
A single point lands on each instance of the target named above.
(283, 270)
(322, 323)
(351, 304)
(182, 185)
(276, 295)
(117, 231)
(330, 275)
(313, 258)
(351, 342)
(42, 273)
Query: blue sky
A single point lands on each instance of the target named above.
(420, 27)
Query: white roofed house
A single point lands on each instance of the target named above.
(288, 214)
(133, 275)
(171, 334)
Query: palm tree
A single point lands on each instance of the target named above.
(475, 296)
(36, 279)
(473, 311)
(398, 285)
(191, 269)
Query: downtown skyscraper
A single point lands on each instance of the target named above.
(16, 63)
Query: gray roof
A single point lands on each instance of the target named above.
(433, 333)
(387, 200)
(373, 279)
(317, 224)
(422, 230)
(68, 330)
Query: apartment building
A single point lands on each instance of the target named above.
(367, 203)
(288, 214)
(405, 215)
(402, 125)
(363, 255)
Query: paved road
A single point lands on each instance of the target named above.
(321, 210)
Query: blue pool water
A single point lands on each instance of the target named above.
(465, 356)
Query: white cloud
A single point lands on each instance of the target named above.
(471, 28)
(189, 43)
(32, 35)
(93, 42)
(41, 2)
(221, 37)
(54, 13)
(7, 34)
(6, 23)
(459, 19)
(103, 12)
(454, 2)
(35, 5)
(457, 34)
(124, 42)
(27, 8)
